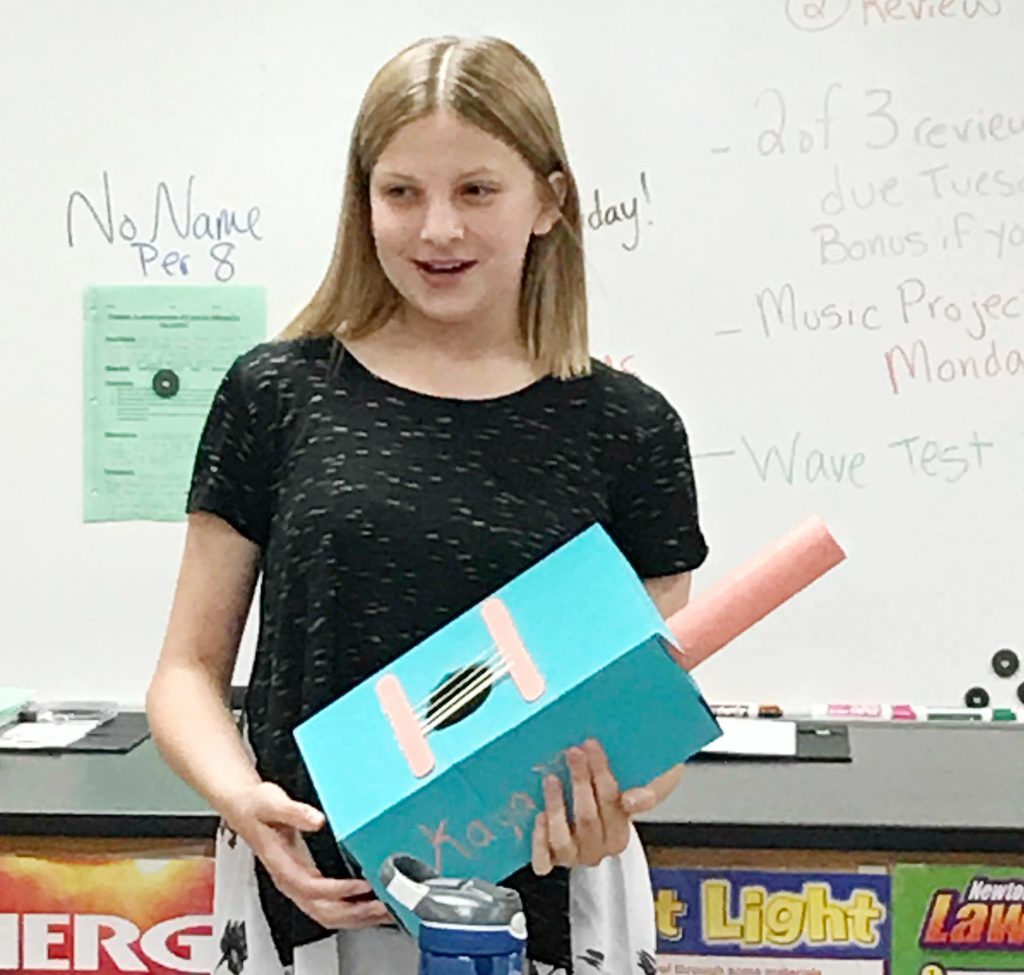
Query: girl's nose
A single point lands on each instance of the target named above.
(441, 224)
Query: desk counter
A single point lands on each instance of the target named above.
(925, 789)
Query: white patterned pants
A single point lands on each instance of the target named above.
(611, 916)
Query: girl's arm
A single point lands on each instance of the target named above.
(194, 730)
(187, 702)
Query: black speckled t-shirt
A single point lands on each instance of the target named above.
(382, 513)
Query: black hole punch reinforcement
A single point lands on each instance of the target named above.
(166, 383)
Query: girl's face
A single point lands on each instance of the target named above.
(452, 212)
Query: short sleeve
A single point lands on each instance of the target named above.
(654, 498)
(231, 474)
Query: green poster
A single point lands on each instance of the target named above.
(153, 358)
(957, 920)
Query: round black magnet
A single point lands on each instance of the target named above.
(1005, 662)
(976, 697)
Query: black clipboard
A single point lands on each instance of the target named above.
(819, 741)
(120, 734)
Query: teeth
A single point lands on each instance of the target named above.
(451, 265)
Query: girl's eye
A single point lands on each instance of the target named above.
(479, 190)
(398, 192)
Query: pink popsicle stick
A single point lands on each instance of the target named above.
(750, 592)
(504, 633)
(395, 704)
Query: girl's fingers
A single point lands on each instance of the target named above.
(541, 855)
(273, 806)
(606, 787)
(285, 855)
(560, 840)
(640, 800)
(609, 800)
(294, 875)
(345, 914)
(278, 822)
(587, 825)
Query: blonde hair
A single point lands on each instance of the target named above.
(494, 86)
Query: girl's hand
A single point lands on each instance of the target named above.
(601, 813)
(272, 824)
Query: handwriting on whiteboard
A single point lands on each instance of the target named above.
(872, 118)
(819, 15)
(797, 460)
(174, 216)
(931, 336)
(913, 303)
(602, 211)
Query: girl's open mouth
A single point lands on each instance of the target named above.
(443, 271)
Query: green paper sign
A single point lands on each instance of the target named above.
(153, 358)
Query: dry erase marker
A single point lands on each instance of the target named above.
(855, 712)
(746, 710)
(972, 714)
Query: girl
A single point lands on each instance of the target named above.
(428, 427)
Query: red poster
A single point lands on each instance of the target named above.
(106, 916)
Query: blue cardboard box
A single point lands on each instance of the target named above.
(479, 730)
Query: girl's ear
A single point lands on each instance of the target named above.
(551, 211)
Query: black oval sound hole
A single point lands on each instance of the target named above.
(458, 695)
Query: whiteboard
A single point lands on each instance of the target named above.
(805, 226)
